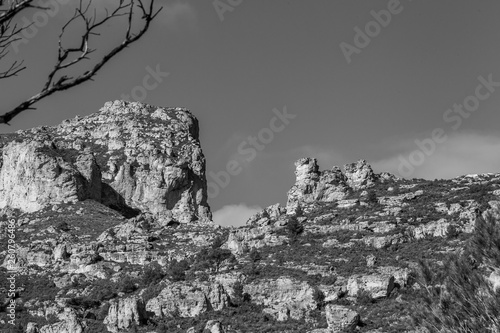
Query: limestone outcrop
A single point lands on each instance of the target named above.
(359, 175)
(188, 300)
(283, 298)
(312, 185)
(70, 323)
(123, 313)
(130, 156)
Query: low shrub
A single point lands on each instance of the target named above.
(177, 270)
(255, 255)
(152, 274)
(294, 228)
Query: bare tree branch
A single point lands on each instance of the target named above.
(9, 32)
(15, 7)
(68, 57)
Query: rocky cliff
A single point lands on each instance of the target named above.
(133, 157)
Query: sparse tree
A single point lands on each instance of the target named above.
(73, 50)
(459, 298)
(371, 198)
(177, 270)
(255, 255)
(295, 228)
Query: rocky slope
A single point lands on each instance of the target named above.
(99, 202)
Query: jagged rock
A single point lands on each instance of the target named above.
(382, 242)
(371, 260)
(214, 326)
(124, 312)
(63, 281)
(70, 323)
(359, 175)
(401, 275)
(160, 170)
(34, 175)
(435, 229)
(332, 186)
(387, 177)
(244, 239)
(188, 300)
(283, 298)
(60, 252)
(267, 215)
(306, 178)
(341, 318)
(312, 185)
(378, 285)
(32, 328)
(331, 292)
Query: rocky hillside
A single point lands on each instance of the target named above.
(113, 234)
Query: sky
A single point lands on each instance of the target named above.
(413, 87)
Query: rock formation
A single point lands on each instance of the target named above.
(122, 314)
(188, 300)
(311, 185)
(130, 156)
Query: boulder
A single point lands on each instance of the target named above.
(341, 318)
(377, 285)
(214, 326)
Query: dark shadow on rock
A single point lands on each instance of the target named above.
(115, 201)
(173, 224)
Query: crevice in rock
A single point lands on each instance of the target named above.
(115, 201)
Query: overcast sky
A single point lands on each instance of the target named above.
(409, 86)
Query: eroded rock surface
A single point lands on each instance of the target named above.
(130, 156)
(312, 185)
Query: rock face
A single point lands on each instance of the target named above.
(378, 286)
(283, 298)
(187, 300)
(33, 176)
(129, 156)
(359, 175)
(124, 312)
(263, 217)
(341, 318)
(311, 185)
(70, 324)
